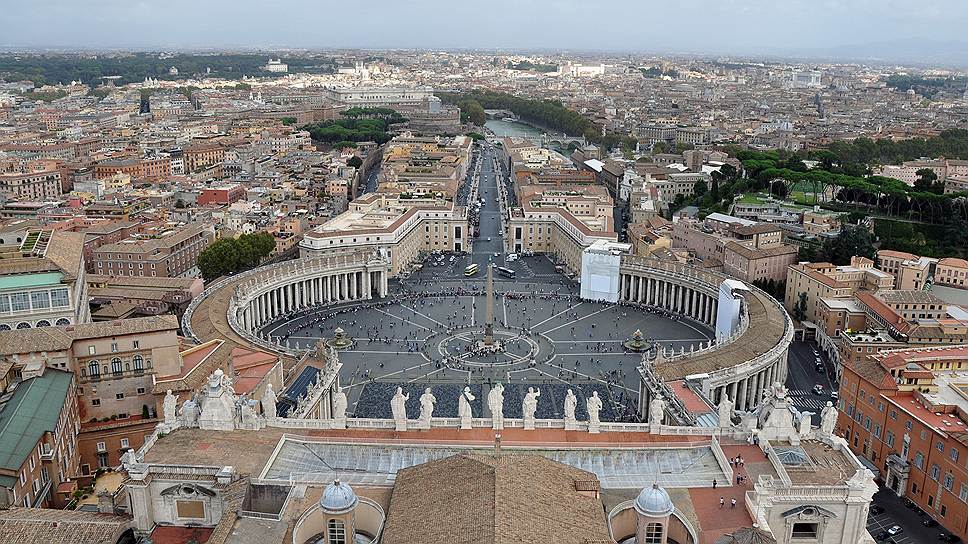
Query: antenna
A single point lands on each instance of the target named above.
(321, 460)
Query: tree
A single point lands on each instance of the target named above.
(230, 255)
(355, 161)
(800, 308)
(699, 188)
(288, 121)
(925, 181)
(659, 147)
(852, 241)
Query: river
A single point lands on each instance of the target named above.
(515, 128)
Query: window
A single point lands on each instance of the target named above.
(114, 347)
(101, 447)
(805, 530)
(889, 438)
(141, 390)
(894, 415)
(19, 302)
(124, 442)
(138, 361)
(963, 494)
(91, 350)
(653, 533)
(949, 481)
(136, 344)
(102, 460)
(337, 533)
(119, 396)
(935, 472)
(116, 366)
(941, 447)
(59, 298)
(909, 426)
(94, 369)
(953, 453)
(40, 300)
(95, 402)
(919, 460)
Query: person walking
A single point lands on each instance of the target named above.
(732, 502)
(714, 483)
(722, 502)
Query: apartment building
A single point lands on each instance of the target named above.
(203, 155)
(172, 253)
(43, 280)
(38, 186)
(910, 271)
(145, 169)
(952, 272)
(906, 413)
(746, 250)
(38, 439)
(815, 281)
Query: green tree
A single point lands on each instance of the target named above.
(288, 121)
(852, 241)
(699, 188)
(355, 161)
(800, 308)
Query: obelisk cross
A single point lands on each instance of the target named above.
(489, 321)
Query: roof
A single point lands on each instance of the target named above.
(61, 338)
(44, 526)
(32, 411)
(495, 499)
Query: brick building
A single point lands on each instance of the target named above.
(172, 254)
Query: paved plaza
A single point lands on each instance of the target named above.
(426, 333)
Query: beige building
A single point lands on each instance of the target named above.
(42, 185)
(910, 271)
(815, 281)
(758, 263)
(173, 253)
(404, 229)
(952, 272)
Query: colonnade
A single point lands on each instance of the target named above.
(285, 295)
(680, 298)
(747, 392)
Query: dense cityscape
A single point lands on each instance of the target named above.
(333, 296)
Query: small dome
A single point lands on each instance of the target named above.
(654, 502)
(338, 498)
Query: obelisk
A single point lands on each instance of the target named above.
(489, 320)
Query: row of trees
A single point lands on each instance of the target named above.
(550, 114)
(952, 144)
(357, 125)
(53, 69)
(231, 255)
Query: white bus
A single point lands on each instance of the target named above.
(471, 270)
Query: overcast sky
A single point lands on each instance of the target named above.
(708, 26)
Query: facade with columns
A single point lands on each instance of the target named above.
(750, 351)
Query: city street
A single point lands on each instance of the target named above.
(802, 376)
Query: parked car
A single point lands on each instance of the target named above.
(818, 389)
(834, 395)
(929, 522)
(894, 530)
(876, 509)
(945, 537)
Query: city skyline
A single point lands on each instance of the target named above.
(829, 30)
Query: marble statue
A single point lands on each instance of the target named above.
(269, 402)
(530, 404)
(398, 406)
(427, 401)
(189, 413)
(571, 402)
(725, 411)
(128, 458)
(217, 404)
(593, 405)
(170, 404)
(495, 402)
(339, 404)
(806, 418)
(828, 419)
(464, 404)
(657, 410)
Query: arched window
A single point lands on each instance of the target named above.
(139, 362)
(62, 321)
(653, 533)
(337, 533)
(43, 323)
(23, 325)
(4, 327)
(116, 366)
(94, 369)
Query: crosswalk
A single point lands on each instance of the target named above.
(803, 399)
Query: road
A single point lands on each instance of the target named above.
(490, 227)
(802, 376)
